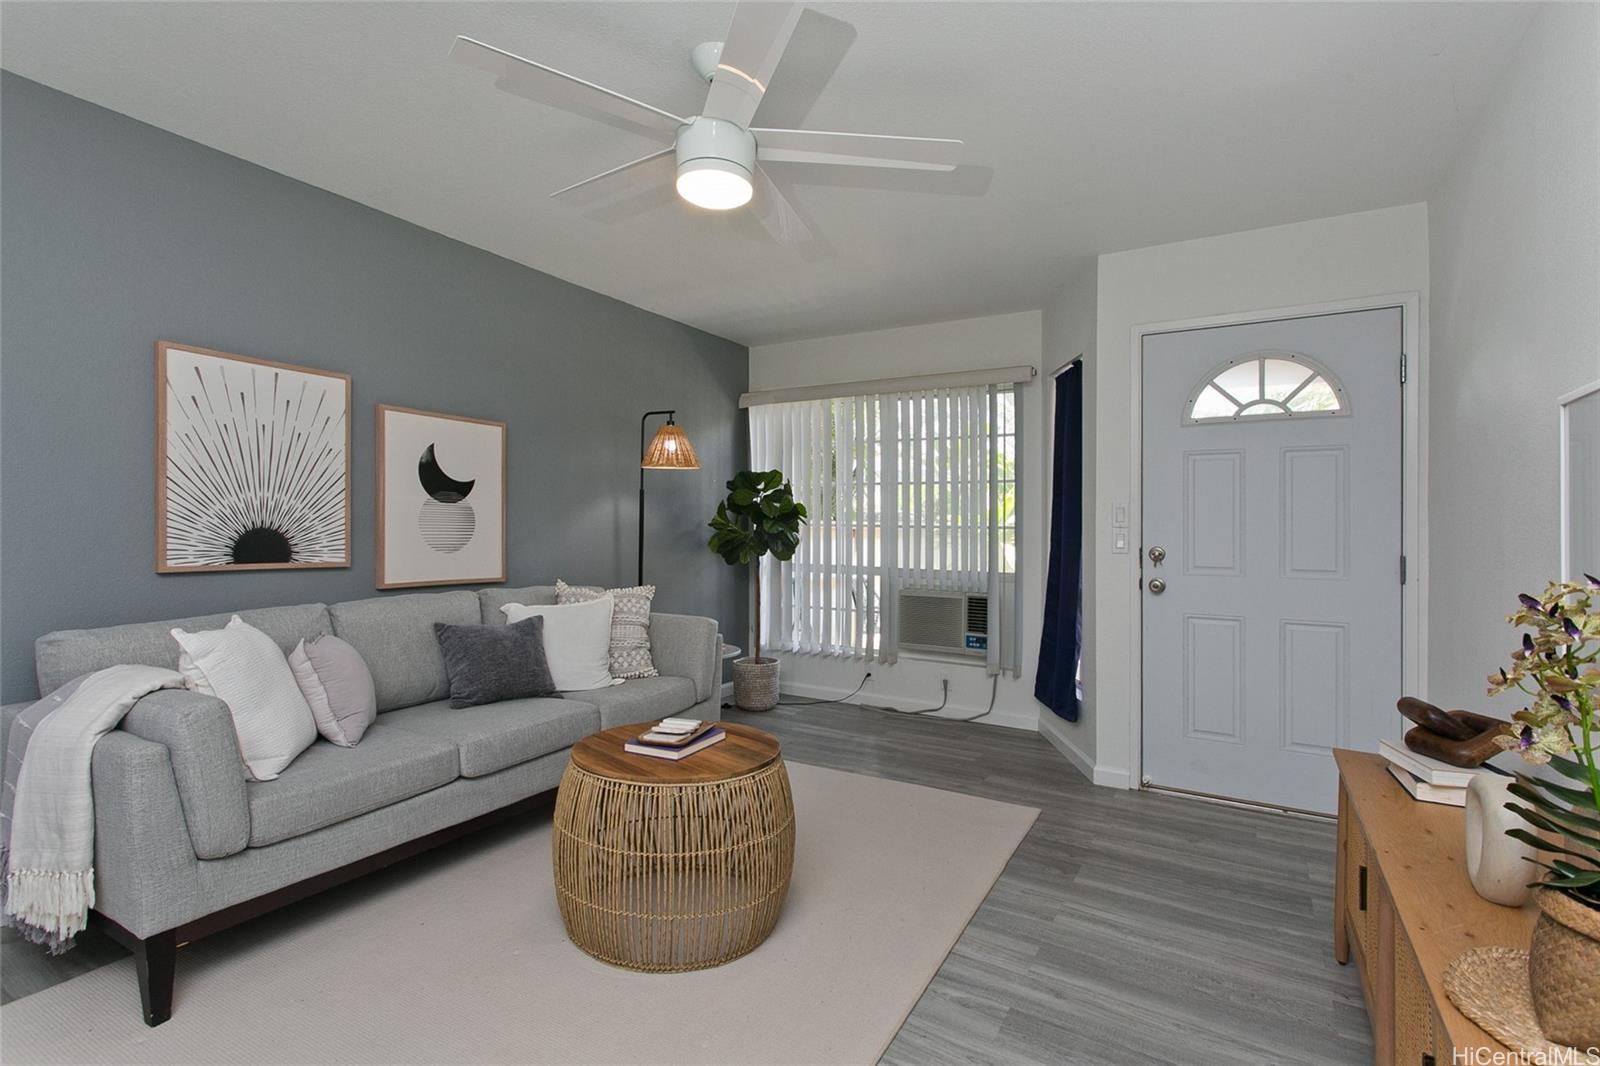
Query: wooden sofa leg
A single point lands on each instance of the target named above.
(156, 958)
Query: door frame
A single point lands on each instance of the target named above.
(1413, 488)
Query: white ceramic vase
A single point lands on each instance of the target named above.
(1497, 864)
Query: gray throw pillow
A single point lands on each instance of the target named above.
(334, 679)
(486, 664)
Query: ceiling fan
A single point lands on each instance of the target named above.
(718, 157)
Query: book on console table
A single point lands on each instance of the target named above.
(1427, 769)
(1428, 793)
(711, 736)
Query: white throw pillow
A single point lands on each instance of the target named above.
(577, 640)
(242, 667)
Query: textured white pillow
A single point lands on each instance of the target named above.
(242, 667)
(577, 640)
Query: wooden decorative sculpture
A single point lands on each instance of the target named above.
(1460, 738)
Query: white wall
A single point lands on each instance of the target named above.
(996, 340)
(1515, 231)
(1333, 259)
(1068, 334)
(1509, 321)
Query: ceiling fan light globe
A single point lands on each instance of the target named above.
(714, 184)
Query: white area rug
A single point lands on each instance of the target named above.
(467, 961)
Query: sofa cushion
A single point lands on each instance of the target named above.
(68, 653)
(497, 735)
(643, 699)
(394, 634)
(328, 784)
(491, 600)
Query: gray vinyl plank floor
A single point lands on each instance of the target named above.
(1129, 927)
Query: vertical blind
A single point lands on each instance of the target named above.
(902, 491)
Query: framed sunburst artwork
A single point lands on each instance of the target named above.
(252, 463)
(441, 499)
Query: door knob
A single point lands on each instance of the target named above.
(1157, 554)
(1157, 586)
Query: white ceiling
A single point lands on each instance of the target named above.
(1103, 126)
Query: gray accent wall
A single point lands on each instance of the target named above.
(115, 234)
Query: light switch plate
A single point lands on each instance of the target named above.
(1119, 515)
(1119, 542)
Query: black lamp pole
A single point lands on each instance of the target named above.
(642, 421)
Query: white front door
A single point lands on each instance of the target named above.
(1271, 590)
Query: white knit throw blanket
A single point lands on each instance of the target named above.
(47, 808)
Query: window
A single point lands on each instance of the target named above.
(905, 490)
(1279, 385)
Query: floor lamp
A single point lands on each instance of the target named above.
(669, 449)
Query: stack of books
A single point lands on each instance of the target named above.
(1428, 779)
(675, 738)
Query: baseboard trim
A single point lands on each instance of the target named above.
(1000, 716)
(1056, 732)
(1113, 777)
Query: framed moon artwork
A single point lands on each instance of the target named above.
(441, 499)
(252, 463)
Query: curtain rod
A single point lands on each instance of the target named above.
(1058, 371)
(1004, 375)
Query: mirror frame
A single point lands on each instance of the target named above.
(1569, 571)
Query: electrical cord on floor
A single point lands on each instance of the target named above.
(924, 710)
(841, 699)
(994, 690)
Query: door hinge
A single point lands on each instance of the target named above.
(1402, 368)
(1402, 569)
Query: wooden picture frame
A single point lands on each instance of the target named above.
(433, 529)
(252, 463)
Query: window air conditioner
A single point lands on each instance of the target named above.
(949, 623)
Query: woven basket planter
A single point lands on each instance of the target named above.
(755, 683)
(1564, 969)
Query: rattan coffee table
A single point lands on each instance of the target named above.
(670, 866)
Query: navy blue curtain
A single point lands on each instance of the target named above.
(1061, 640)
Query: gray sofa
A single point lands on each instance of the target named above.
(186, 845)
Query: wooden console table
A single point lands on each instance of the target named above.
(1404, 908)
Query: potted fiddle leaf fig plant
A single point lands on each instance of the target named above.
(1558, 665)
(759, 517)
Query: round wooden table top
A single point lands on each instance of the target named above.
(745, 751)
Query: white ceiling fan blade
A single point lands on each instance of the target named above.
(546, 85)
(776, 213)
(857, 149)
(756, 39)
(629, 175)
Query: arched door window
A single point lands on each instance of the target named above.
(1266, 385)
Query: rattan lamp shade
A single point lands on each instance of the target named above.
(670, 450)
